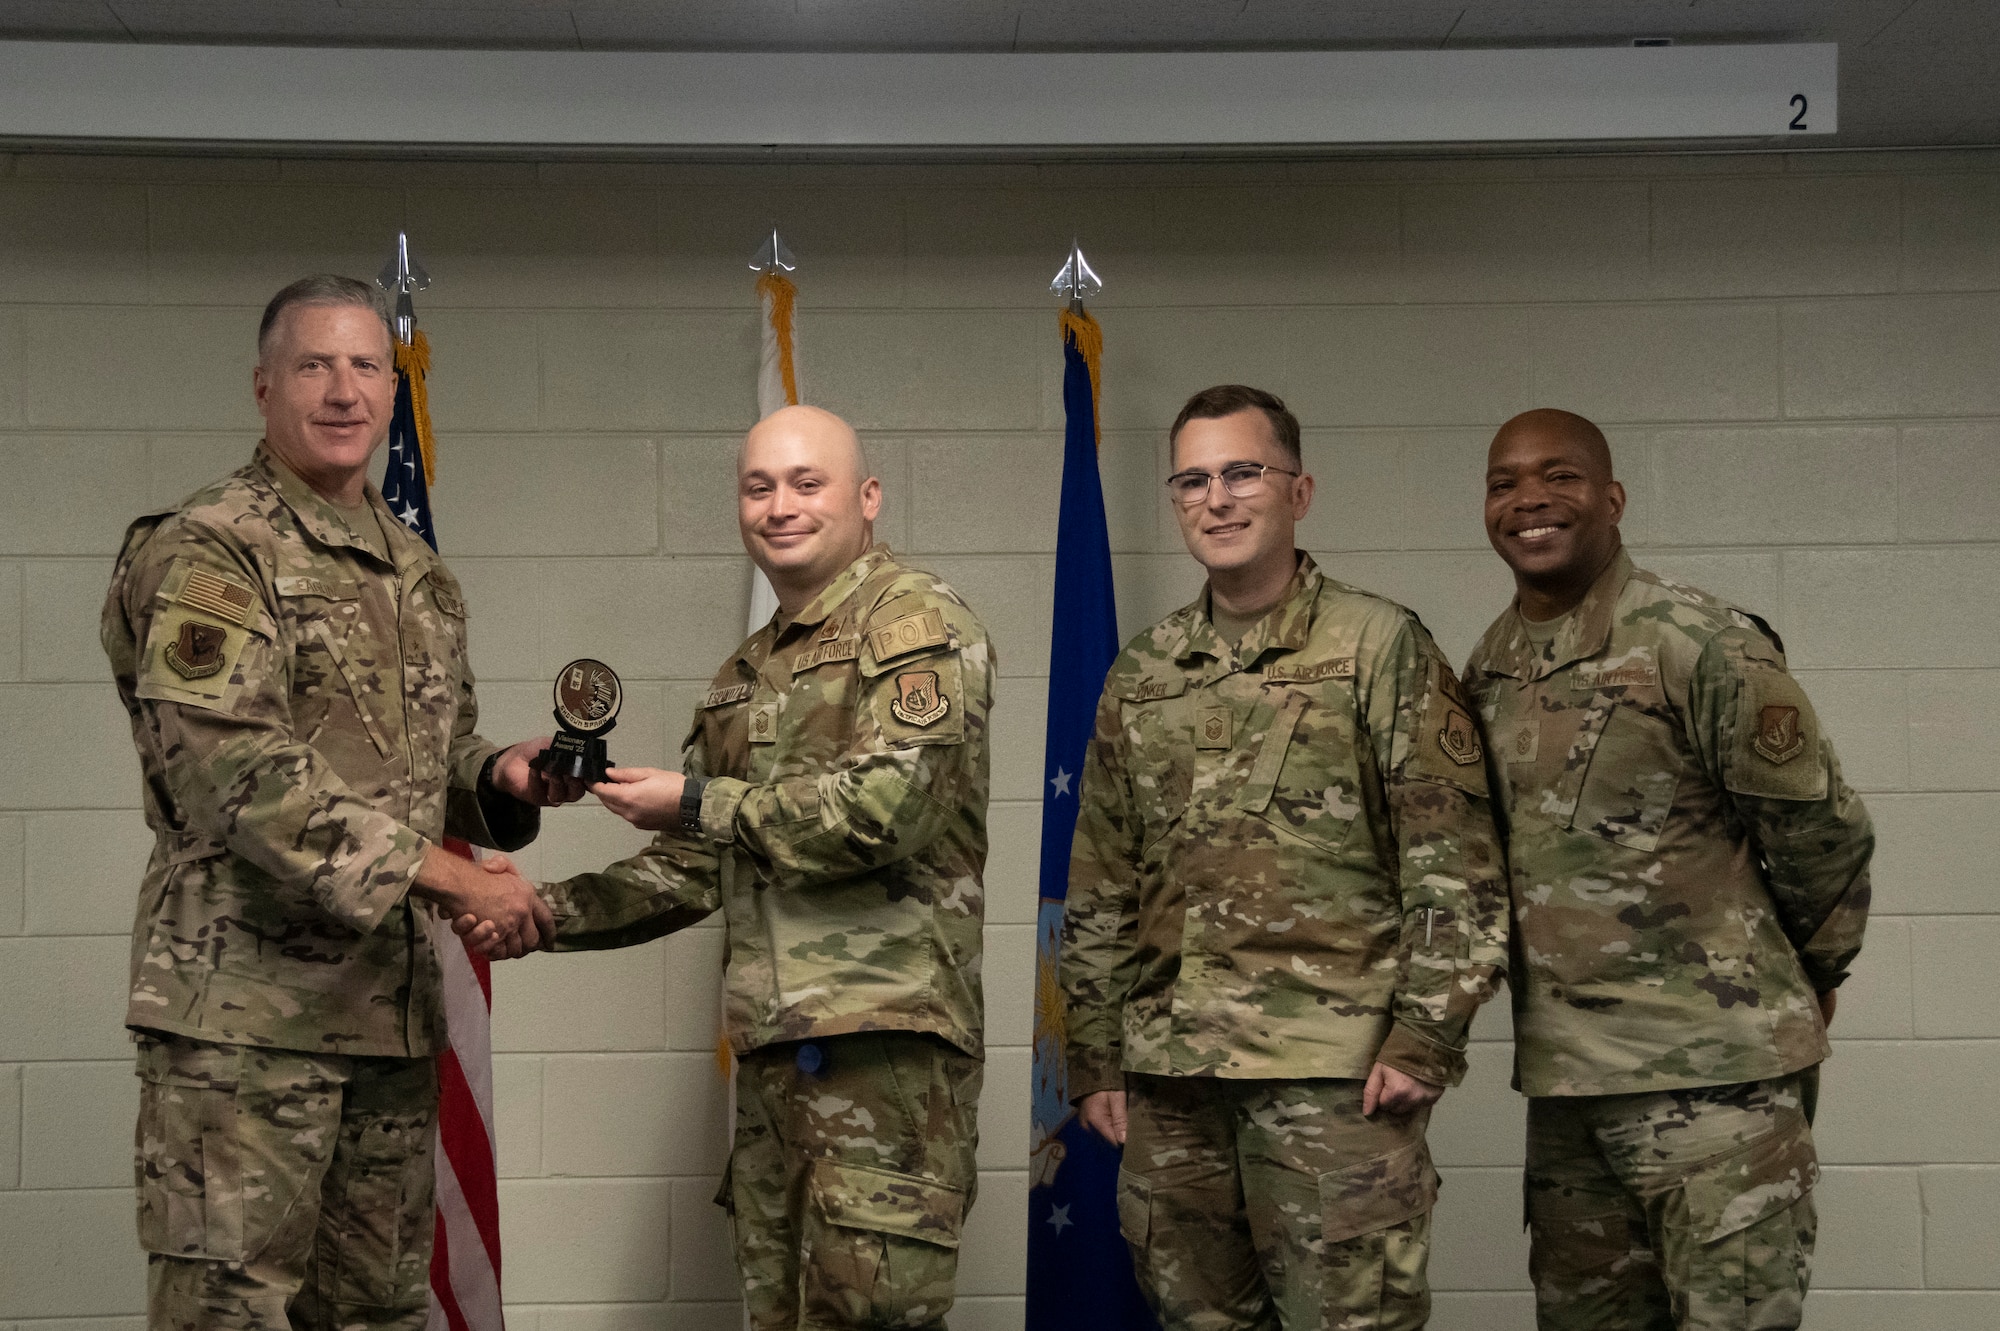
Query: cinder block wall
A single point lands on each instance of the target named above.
(1797, 359)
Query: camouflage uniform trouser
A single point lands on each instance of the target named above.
(850, 1179)
(1266, 1204)
(283, 1189)
(1687, 1209)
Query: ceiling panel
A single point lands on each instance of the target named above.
(1912, 71)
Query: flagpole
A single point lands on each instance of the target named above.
(1079, 1269)
(777, 372)
(465, 1259)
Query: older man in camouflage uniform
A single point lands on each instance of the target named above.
(834, 808)
(1690, 883)
(1285, 905)
(294, 664)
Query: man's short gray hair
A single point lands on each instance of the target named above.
(319, 289)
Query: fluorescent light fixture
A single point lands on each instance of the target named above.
(637, 100)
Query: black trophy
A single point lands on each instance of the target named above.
(587, 698)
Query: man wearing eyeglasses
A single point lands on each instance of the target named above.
(1286, 902)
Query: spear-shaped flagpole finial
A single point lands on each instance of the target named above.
(773, 256)
(403, 275)
(1077, 279)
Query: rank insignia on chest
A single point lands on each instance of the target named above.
(1527, 740)
(197, 652)
(764, 723)
(1459, 739)
(1213, 727)
(1779, 737)
(918, 702)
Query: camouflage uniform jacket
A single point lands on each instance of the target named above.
(844, 822)
(1688, 867)
(303, 714)
(1284, 863)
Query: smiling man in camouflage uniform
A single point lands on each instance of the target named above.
(294, 664)
(834, 809)
(1285, 904)
(1690, 884)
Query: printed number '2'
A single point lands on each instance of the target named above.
(1799, 120)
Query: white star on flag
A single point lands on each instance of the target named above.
(1060, 781)
(1059, 1218)
(409, 516)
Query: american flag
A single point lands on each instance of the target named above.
(465, 1263)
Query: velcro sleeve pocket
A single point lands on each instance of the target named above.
(886, 1202)
(1376, 1194)
(1733, 1192)
(1775, 751)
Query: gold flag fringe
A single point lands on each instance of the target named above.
(782, 293)
(413, 362)
(1080, 329)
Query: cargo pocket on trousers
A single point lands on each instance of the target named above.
(1739, 1229)
(1135, 1210)
(185, 1161)
(1375, 1232)
(383, 1213)
(884, 1250)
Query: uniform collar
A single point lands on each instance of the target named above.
(1585, 633)
(1285, 627)
(836, 593)
(328, 525)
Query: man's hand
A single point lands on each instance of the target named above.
(488, 900)
(1828, 1001)
(1103, 1112)
(645, 797)
(1395, 1092)
(513, 775)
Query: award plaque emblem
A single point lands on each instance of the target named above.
(587, 699)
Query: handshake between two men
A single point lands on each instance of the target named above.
(498, 912)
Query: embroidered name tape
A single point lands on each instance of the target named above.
(1340, 667)
(725, 695)
(1638, 674)
(846, 649)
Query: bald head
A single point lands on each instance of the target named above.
(805, 502)
(1552, 507)
(1553, 423)
(805, 431)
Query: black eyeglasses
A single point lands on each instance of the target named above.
(1240, 479)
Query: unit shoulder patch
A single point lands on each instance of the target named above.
(196, 651)
(1775, 754)
(919, 701)
(1459, 739)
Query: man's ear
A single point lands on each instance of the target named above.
(871, 498)
(1615, 492)
(1302, 497)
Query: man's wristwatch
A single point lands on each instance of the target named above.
(691, 805)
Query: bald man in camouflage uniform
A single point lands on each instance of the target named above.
(833, 807)
(293, 661)
(1285, 904)
(1690, 885)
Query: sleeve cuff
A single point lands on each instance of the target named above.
(1408, 1051)
(1093, 1069)
(719, 803)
